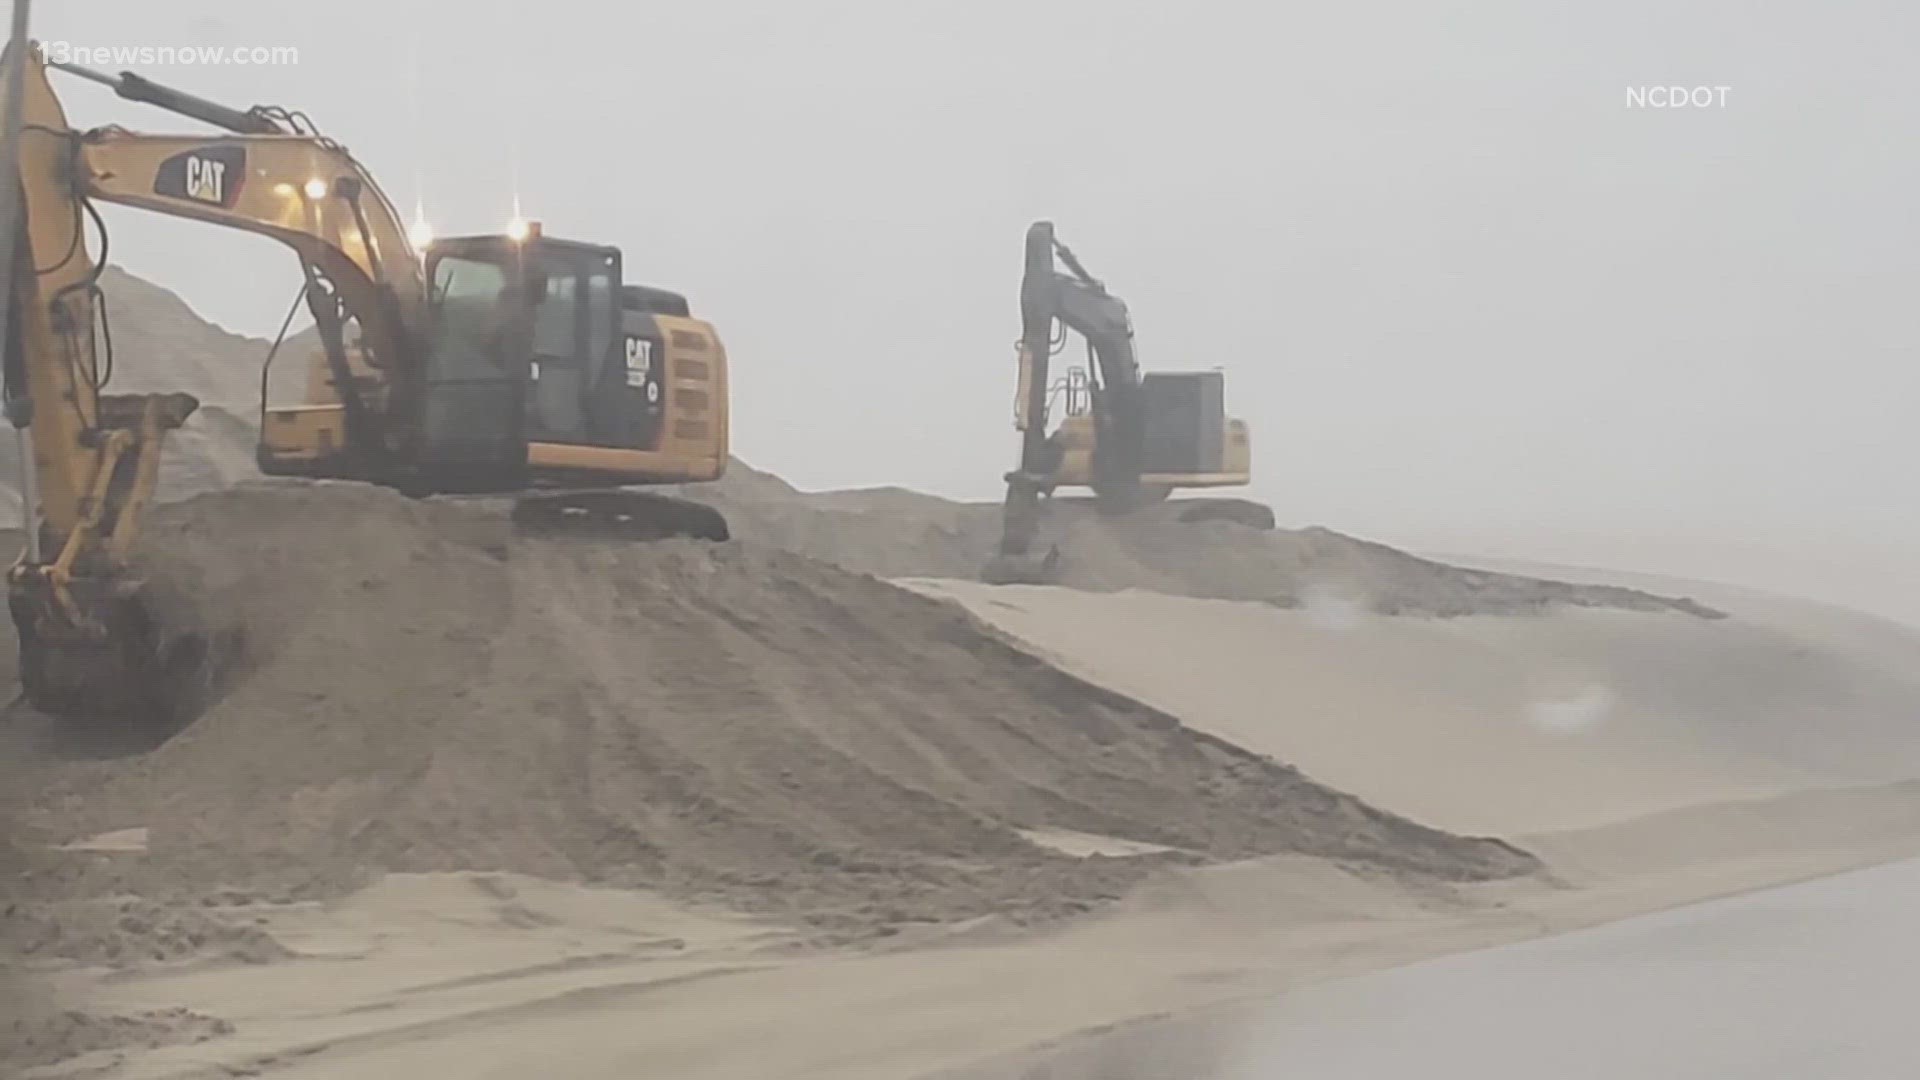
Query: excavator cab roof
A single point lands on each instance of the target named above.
(493, 244)
(497, 247)
(526, 259)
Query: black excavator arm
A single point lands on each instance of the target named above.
(1081, 303)
(1077, 300)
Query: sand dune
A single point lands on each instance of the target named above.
(1505, 726)
(501, 975)
(1633, 810)
(415, 688)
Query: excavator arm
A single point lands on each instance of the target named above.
(1080, 302)
(87, 645)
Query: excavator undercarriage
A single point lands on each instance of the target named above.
(617, 515)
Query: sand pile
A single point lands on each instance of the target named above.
(1512, 727)
(426, 692)
(892, 532)
(44, 1036)
(160, 345)
(128, 929)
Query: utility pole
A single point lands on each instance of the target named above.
(19, 403)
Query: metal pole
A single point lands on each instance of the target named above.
(19, 407)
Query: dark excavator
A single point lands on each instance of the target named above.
(1128, 436)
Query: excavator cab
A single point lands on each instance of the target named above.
(478, 366)
(543, 371)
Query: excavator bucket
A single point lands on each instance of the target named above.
(95, 640)
(1014, 563)
(109, 650)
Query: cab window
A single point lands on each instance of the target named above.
(557, 315)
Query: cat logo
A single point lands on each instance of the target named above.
(206, 180)
(211, 175)
(640, 368)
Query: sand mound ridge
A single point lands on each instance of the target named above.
(892, 532)
(425, 691)
(44, 1036)
(160, 345)
(128, 929)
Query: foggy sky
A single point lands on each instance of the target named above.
(1467, 298)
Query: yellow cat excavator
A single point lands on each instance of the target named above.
(519, 365)
(1131, 437)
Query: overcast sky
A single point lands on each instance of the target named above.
(1467, 297)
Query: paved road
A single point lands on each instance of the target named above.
(1819, 981)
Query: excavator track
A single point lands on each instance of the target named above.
(1239, 511)
(618, 515)
(1183, 511)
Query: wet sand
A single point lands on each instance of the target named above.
(1805, 980)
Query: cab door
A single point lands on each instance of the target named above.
(473, 427)
(575, 348)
